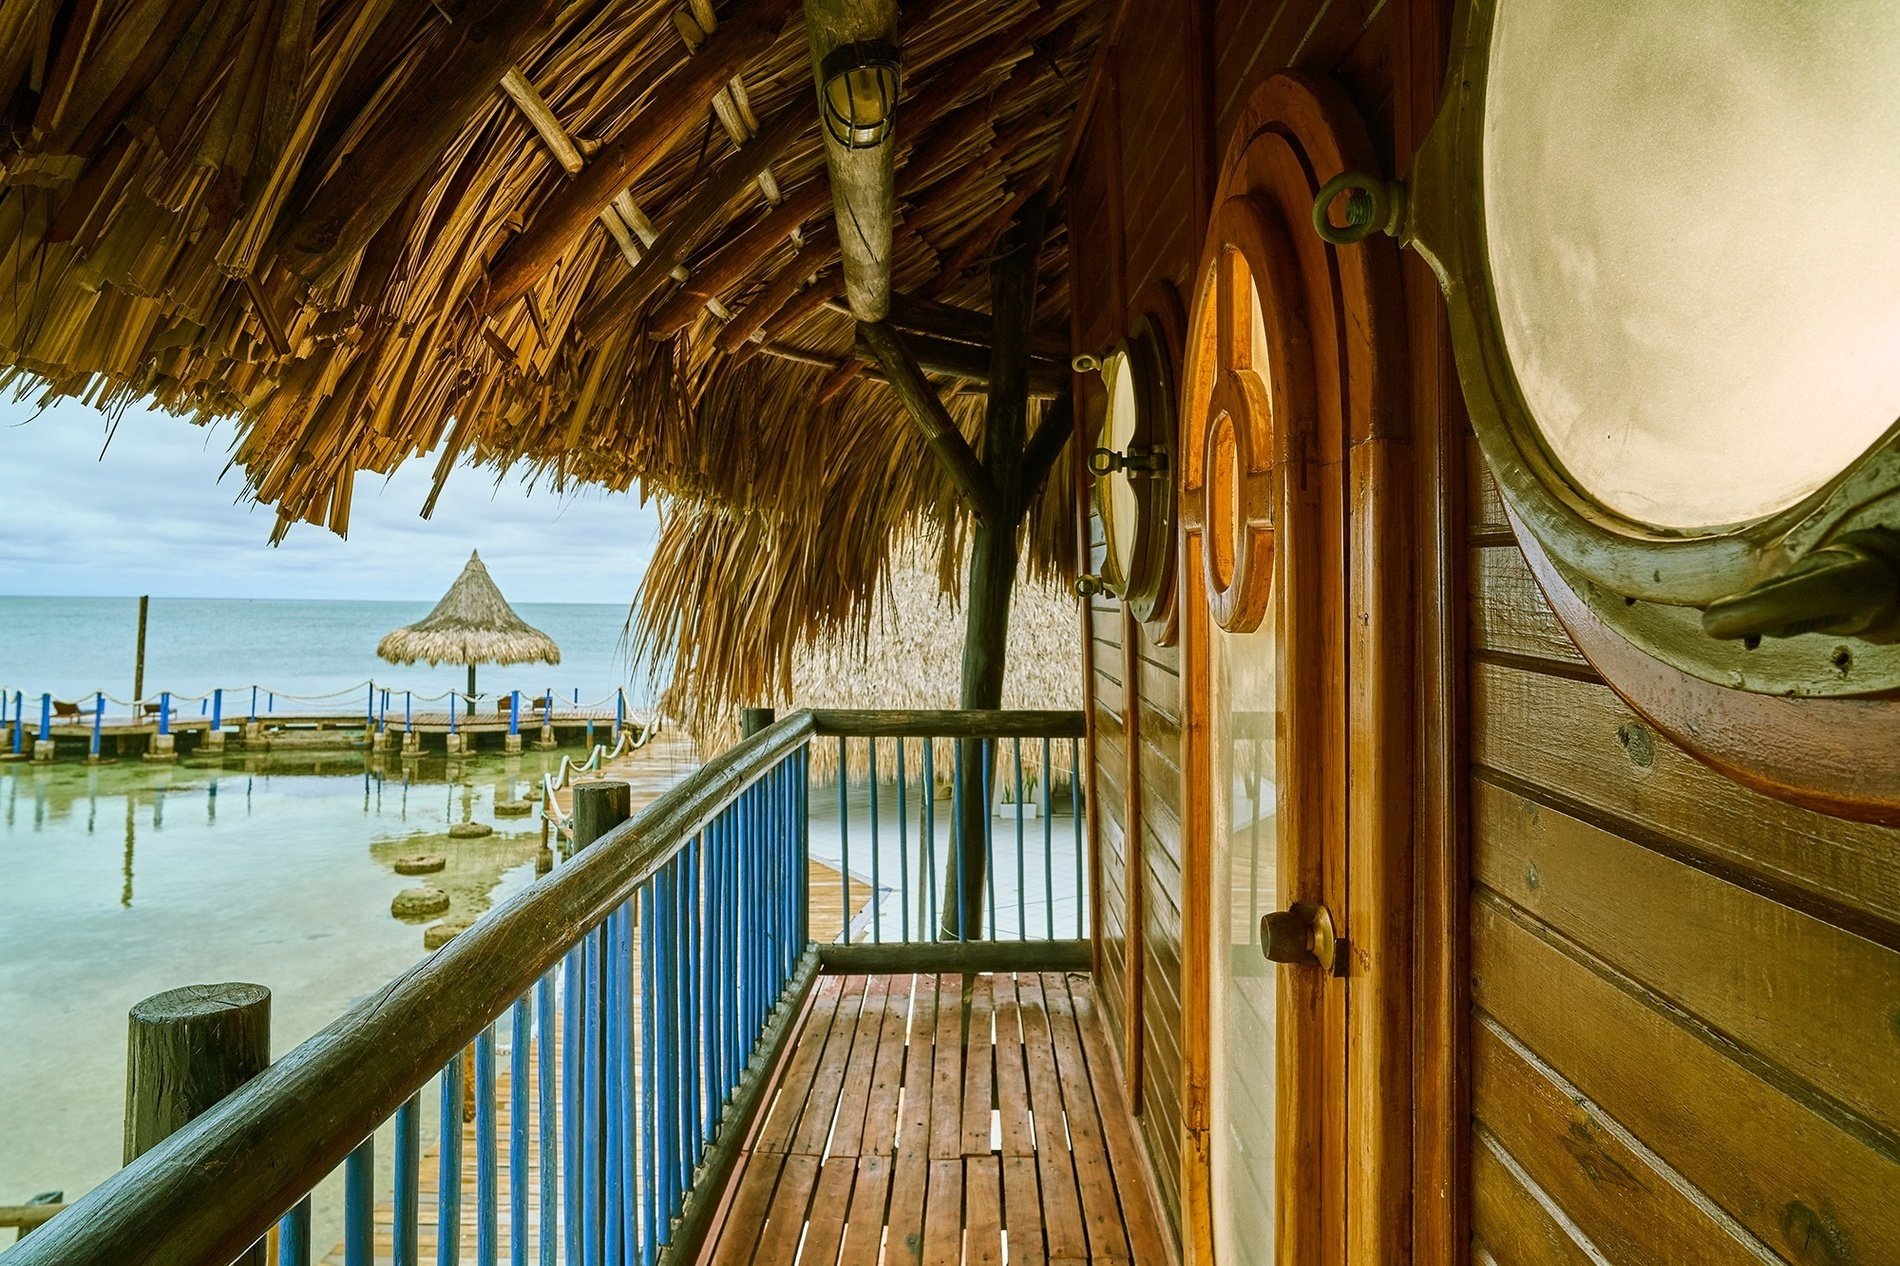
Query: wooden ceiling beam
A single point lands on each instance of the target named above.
(409, 137)
(965, 361)
(863, 176)
(686, 227)
(731, 262)
(918, 315)
(675, 105)
(939, 430)
(819, 250)
(540, 116)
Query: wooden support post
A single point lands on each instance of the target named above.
(599, 807)
(939, 430)
(138, 664)
(993, 559)
(752, 720)
(187, 1049)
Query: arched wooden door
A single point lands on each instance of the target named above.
(1297, 631)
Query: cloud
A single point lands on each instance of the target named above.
(157, 512)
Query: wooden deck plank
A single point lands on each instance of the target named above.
(745, 1221)
(827, 1083)
(847, 1134)
(1139, 1214)
(879, 1135)
(1022, 1211)
(910, 1182)
(864, 1232)
(788, 1102)
(1016, 1132)
(1101, 1207)
(946, 1087)
(1055, 1168)
(913, 1117)
(979, 1064)
(785, 1215)
(830, 1204)
(982, 1211)
(927, 1055)
(943, 1213)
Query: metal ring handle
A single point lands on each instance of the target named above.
(1373, 206)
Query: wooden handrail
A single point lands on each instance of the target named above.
(210, 1190)
(975, 723)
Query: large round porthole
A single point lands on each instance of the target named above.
(1132, 463)
(1664, 229)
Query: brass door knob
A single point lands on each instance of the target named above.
(1302, 935)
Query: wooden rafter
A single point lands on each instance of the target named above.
(925, 409)
(561, 146)
(676, 104)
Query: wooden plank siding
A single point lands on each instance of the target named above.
(1685, 1036)
(1177, 76)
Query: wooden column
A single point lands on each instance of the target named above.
(187, 1049)
(599, 807)
(993, 558)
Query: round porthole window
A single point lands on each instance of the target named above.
(1132, 463)
(1664, 230)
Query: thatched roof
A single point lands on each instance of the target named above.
(473, 624)
(563, 239)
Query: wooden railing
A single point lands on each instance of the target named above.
(645, 988)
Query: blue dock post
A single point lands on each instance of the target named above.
(43, 743)
(217, 710)
(165, 712)
(620, 710)
(98, 722)
(253, 703)
(369, 707)
(514, 722)
(455, 737)
(19, 720)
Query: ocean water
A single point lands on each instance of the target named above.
(70, 647)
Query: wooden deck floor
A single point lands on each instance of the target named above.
(942, 1119)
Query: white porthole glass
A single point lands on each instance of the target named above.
(1691, 211)
(1119, 509)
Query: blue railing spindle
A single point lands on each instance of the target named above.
(844, 842)
(406, 1230)
(961, 893)
(487, 1161)
(1022, 917)
(1048, 846)
(989, 836)
(928, 844)
(877, 889)
(593, 1115)
(611, 1228)
(448, 1189)
(571, 1107)
(547, 1116)
(521, 1023)
(903, 848)
(359, 1205)
(293, 1235)
(1075, 815)
(649, 1072)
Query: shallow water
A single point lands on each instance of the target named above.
(127, 879)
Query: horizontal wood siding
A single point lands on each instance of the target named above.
(1686, 996)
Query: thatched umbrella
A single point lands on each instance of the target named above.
(473, 624)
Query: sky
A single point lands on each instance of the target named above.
(152, 516)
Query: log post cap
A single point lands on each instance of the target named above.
(194, 1002)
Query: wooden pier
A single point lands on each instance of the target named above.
(109, 735)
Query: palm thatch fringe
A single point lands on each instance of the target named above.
(906, 652)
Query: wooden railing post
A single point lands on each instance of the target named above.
(752, 720)
(187, 1049)
(599, 807)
